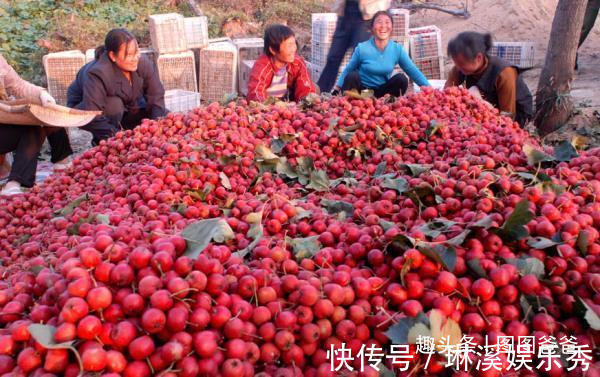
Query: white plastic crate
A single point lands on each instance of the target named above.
(400, 19)
(244, 76)
(61, 69)
(520, 54)
(177, 100)
(425, 42)
(90, 55)
(432, 68)
(167, 32)
(177, 71)
(218, 71)
(319, 52)
(314, 71)
(323, 27)
(196, 31)
(248, 49)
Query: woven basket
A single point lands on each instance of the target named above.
(177, 71)
(61, 69)
(218, 71)
(23, 113)
(167, 32)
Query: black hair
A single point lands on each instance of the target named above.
(380, 13)
(274, 36)
(113, 41)
(469, 44)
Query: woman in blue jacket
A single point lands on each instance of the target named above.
(373, 62)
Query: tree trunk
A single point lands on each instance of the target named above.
(553, 103)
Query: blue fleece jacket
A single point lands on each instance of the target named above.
(375, 67)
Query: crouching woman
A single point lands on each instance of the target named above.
(374, 60)
(121, 83)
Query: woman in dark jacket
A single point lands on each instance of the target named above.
(121, 83)
(489, 77)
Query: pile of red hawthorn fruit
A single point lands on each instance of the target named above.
(250, 239)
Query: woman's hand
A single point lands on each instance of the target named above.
(47, 99)
(336, 90)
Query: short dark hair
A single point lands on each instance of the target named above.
(381, 13)
(113, 41)
(274, 36)
(469, 44)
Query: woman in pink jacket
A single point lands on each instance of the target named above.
(26, 141)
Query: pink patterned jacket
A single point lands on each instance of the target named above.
(11, 84)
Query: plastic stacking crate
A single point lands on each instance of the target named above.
(61, 69)
(520, 54)
(319, 52)
(179, 101)
(432, 68)
(167, 32)
(196, 32)
(217, 71)
(178, 71)
(90, 54)
(425, 42)
(323, 27)
(244, 75)
(401, 19)
(248, 49)
(314, 71)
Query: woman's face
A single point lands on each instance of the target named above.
(466, 66)
(128, 56)
(287, 50)
(382, 27)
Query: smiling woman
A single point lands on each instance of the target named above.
(121, 83)
(374, 60)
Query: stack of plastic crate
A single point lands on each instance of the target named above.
(401, 18)
(217, 75)
(426, 51)
(323, 27)
(175, 62)
(61, 69)
(519, 54)
(248, 50)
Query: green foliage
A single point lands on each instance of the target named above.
(31, 28)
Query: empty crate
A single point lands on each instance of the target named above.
(432, 68)
(248, 49)
(167, 32)
(314, 71)
(218, 71)
(196, 32)
(61, 69)
(177, 71)
(323, 27)
(400, 24)
(425, 42)
(244, 76)
(177, 100)
(520, 54)
(90, 55)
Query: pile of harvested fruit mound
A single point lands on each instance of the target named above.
(252, 239)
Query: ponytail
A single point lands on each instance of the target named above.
(469, 44)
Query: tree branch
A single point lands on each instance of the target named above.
(412, 6)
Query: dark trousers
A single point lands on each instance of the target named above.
(26, 142)
(351, 29)
(395, 86)
(589, 19)
(115, 118)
